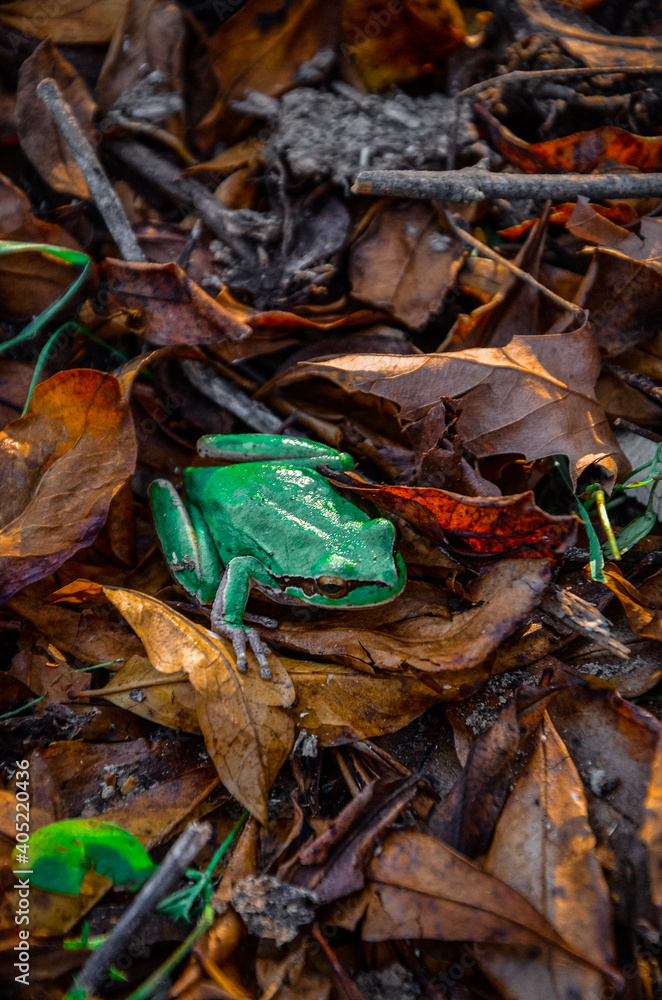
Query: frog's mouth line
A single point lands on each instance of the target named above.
(307, 586)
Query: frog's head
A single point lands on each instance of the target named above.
(366, 572)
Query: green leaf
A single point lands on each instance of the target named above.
(641, 526)
(62, 853)
(596, 558)
(71, 256)
(74, 257)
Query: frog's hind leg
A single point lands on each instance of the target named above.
(272, 448)
(186, 543)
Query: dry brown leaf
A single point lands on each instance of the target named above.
(18, 223)
(335, 704)
(417, 632)
(72, 22)
(157, 36)
(624, 296)
(396, 41)
(88, 636)
(651, 827)
(243, 720)
(40, 138)
(465, 819)
(642, 605)
(612, 744)
(580, 152)
(167, 704)
(420, 888)
(62, 463)
(587, 224)
(543, 847)
(519, 399)
(513, 306)
(262, 47)
(338, 704)
(405, 263)
(31, 281)
(173, 309)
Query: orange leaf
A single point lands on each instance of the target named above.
(621, 214)
(580, 152)
(475, 528)
(61, 464)
(392, 41)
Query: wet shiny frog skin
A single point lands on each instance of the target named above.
(273, 522)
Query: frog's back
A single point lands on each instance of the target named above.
(274, 508)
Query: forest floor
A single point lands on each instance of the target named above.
(426, 235)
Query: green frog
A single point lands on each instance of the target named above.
(270, 520)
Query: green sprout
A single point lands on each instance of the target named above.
(622, 541)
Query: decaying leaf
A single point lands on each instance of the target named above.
(40, 138)
(474, 529)
(246, 729)
(579, 153)
(396, 42)
(620, 213)
(62, 463)
(642, 605)
(172, 308)
(164, 38)
(623, 295)
(543, 847)
(417, 632)
(422, 889)
(468, 815)
(519, 399)
(71, 23)
(404, 262)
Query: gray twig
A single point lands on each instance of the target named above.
(621, 424)
(185, 190)
(529, 75)
(230, 397)
(517, 271)
(636, 381)
(475, 184)
(86, 159)
(178, 858)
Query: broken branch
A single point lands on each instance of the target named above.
(476, 184)
(87, 162)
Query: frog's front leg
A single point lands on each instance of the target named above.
(187, 545)
(227, 613)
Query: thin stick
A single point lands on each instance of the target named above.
(562, 303)
(621, 424)
(178, 858)
(86, 159)
(185, 190)
(635, 381)
(121, 688)
(350, 989)
(527, 76)
(231, 398)
(476, 184)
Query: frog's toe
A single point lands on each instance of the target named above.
(261, 651)
(241, 638)
(238, 638)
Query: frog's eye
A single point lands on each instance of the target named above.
(332, 586)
